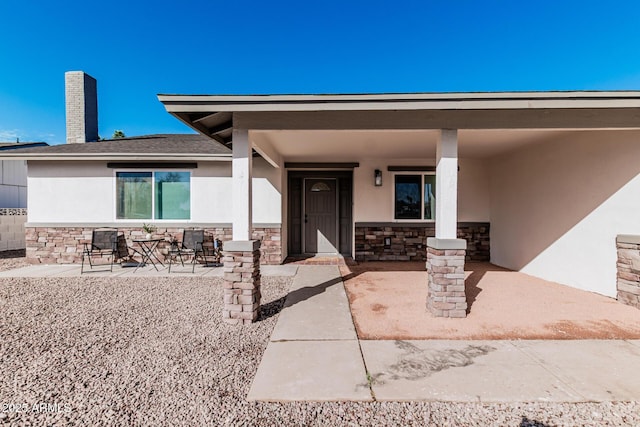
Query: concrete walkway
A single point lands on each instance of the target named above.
(314, 352)
(73, 270)
(314, 355)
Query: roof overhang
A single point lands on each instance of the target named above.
(115, 156)
(216, 115)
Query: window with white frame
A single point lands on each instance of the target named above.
(153, 195)
(414, 196)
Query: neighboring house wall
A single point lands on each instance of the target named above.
(13, 184)
(13, 201)
(12, 228)
(557, 206)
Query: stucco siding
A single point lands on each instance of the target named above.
(84, 192)
(375, 204)
(70, 192)
(557, 206)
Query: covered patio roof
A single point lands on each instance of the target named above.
(217, 115)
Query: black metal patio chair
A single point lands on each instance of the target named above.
(212, 252)
(104, 243)
(190, 247)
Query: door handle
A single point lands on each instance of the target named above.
(306, 218)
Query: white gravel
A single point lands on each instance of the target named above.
(154, 351)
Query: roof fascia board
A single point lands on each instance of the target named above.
(198, 103)
(401, 96)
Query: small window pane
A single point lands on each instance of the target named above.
(408, 196)
(320, 186)
(173, 195)
(429, 197)
(133, 195)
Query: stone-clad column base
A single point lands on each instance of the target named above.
(446, 295)
(241, 281)
(628, 277)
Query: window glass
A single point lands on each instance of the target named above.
(153, 195)
(408, 197)
(133, 195)
(429, 197)
(173, 195)
(320, 186)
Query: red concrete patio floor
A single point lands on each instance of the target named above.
(388, 300)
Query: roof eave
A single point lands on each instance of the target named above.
(118, 156)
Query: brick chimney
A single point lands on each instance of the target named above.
(81, 97)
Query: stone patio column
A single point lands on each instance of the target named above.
(446, 296)
(241, 281)
(446, 253)
(241, 256)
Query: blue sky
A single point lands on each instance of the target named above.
(137, 49)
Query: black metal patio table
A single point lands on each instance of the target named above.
(148, 252)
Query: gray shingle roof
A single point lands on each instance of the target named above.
(147, 144)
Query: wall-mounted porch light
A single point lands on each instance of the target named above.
(378, 177)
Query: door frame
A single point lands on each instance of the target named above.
(336, 212)
(344, 207)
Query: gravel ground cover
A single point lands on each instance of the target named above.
(12, 259)
(101, 351)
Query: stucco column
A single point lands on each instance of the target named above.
(446, 296)
(241, 184)
(447, 184)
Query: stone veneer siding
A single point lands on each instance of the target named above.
(409, 241)
(446, 295)
(64, 245)
(628, 283)
(241, 286)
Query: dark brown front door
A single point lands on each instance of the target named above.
(320, 216)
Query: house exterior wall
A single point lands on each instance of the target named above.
(374, 216)
(408, 242)
(64, 244)
(84, 192)
(375, 204)
(557, 206)
(70, 195)
(69, 199)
